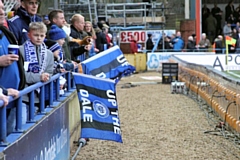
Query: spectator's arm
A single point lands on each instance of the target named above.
(6, 60)
(50, 63)
(201, 43)
(13, 92)
(76, 49)
(4, 99)
(32, 77)
(183, 44)
(209, 44)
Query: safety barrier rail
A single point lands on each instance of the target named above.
(219, 90)
(53, 101)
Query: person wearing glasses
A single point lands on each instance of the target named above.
(25, 14)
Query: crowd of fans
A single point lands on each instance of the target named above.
(48, 45)
(216, 32)
(213, 32)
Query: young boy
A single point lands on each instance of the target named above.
(58, 35)
(58, 66)
(38, 60)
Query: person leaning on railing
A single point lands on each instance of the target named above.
(191, 45)
(204, 44)
(78, 50)
(39, 61)
(218, 44)
(11, 68)
(177, 42)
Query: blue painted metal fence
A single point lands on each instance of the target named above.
(53, 101)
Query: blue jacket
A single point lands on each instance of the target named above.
(19, 24)
(178, 44)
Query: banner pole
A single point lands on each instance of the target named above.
(82, 142)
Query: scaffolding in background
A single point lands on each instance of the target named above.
(9, 4)
(127, 14)
(118, 14)
(88, 8)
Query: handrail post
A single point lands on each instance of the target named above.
(31, 107)
(19, 114)
(57, 88)
(51, 94)
(42, 99)
(3, 125)
(69, 80)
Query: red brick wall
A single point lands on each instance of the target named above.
(187, 28)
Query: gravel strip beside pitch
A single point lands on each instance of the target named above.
(158, 125)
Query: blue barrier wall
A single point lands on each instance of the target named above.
(47, 134)
(49, 139)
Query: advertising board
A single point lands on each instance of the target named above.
(48, 140)
(141, 36)
(217, 61)
(155, 59)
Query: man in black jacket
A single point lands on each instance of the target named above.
(190, 45)
(219, 45)
(149, 43)
(77, 32)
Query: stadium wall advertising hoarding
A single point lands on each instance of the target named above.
(155, 59)
(49, 140)
(217, 61)
(142, 35)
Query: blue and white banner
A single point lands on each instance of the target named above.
(155, 59)
(217, 61)
(108, 64)
(99, 108)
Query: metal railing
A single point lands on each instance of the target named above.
(53, 82)
(217, 94)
